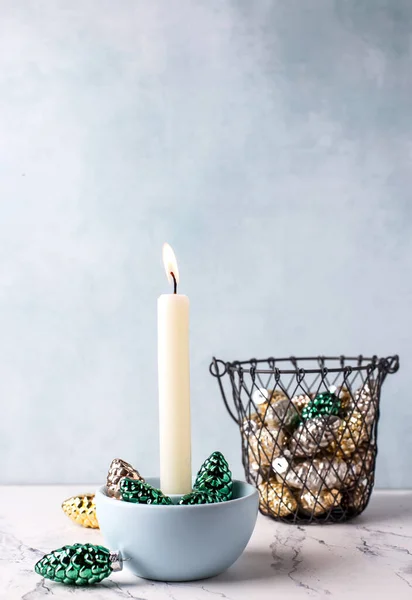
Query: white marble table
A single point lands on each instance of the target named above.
(368, 558)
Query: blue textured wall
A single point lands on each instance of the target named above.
(269, 142)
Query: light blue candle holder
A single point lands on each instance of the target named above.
(179, 542)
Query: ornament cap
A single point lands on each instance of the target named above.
(260, 396)
(116, 560)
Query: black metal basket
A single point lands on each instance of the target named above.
(309, 430)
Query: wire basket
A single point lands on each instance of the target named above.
(309, 429)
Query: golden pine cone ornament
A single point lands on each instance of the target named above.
(345, 398)
(319, 502)
(276, 499)
(82, 510)
(117, 471)
(257, 469)
(351, 433)
(357, 497)
(274, 407)
(263, 443)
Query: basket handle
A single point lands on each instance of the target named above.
(391, 364)
(215, 371)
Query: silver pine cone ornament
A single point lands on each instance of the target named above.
(118, 469)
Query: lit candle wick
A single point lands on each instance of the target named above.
(174, 282)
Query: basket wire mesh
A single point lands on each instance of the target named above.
(308, 430)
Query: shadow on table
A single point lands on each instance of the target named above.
(259, 564)
(253, 564)
(384, 508)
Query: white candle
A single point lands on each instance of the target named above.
(174, 385)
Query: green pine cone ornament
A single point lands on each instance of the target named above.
(215, 477)
(201, 497)
(80, 564)
(139, 492)
(323, 404)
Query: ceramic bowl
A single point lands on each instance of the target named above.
(178, 543)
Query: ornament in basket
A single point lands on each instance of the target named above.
(309, 431)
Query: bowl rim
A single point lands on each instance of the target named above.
(251, 491)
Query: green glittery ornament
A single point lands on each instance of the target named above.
(201, 497)
(323, 404)
(80, 564)
(215, 477)
(139, 492)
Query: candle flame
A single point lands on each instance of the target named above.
(170, 263)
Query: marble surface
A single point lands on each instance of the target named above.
(370, 557)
